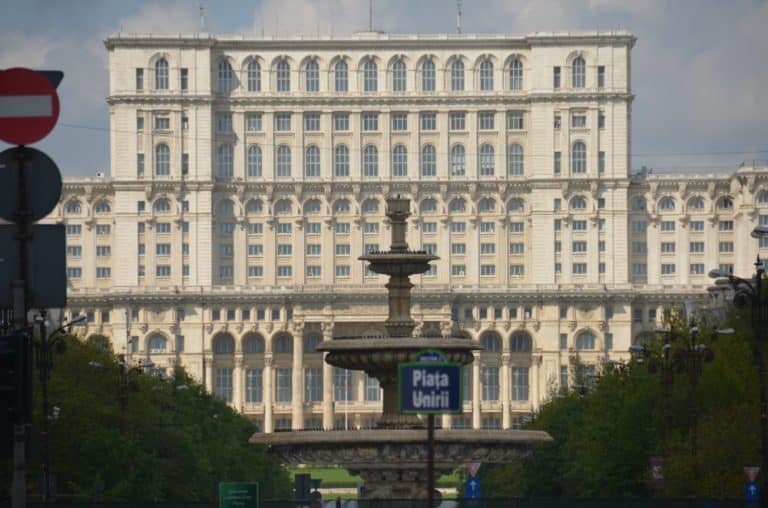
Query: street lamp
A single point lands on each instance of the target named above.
(751, 291)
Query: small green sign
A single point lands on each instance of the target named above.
(239, 495)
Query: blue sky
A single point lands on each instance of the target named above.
(700, 69)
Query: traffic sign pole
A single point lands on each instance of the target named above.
(430, 461)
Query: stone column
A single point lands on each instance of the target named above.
(476, 421)
(297, 381)
(208, 363)
(505, 392)
(327, 381)
(535, 381)
(267, 398)
(238, 377)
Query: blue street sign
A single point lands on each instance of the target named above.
(472, 488)
(429, 387)
(752, 491)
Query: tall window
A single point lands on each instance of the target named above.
(224, 156)
(283, 385)
(223, 384)
(254, 76)
(428, 76)
(162, 160)
(457, 75)
(312, 161)
(342, 384)
(283, 161)
(283, 76)
(254, 161)
(400, 161)
(516, 75)
(370, 161)
(370, 76)
(428, 160)
(226, 76)
(313, 384)
(585, 340)
(372, 389)
(341, 160)
(515, 161)
(399, 74)
(486, 75)
(486, 161)
(579, 158)
(579, 73)
(161, 74)
(341, 76)
(520, 383)
(490, 378)
(313, 76)
(458, 160)
(253, 386)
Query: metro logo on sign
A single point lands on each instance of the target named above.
(29, 106)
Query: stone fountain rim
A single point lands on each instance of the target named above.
(397, 437)
(399, 344)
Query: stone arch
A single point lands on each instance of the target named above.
(252, 343)
(491, 341)
(585, 340)
(282, 343)
(520, 342)
(223, 344)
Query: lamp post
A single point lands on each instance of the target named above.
(751, 291)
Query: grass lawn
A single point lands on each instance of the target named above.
(339, 478)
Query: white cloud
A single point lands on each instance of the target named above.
(310, 17)
(17, 49)
(169, 16)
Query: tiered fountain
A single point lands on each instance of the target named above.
(392, 458)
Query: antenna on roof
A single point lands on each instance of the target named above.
(458, 17)
(202, 17)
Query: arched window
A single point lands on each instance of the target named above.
(283, 80)
(486, 75)
(312, 161)
(341, 76)
(515, 205)
(283, 207)
(762, 198)
(342, 207)
(579, 157)
(458, 160)
(491, 342)
(399, 76)
(284, 344)
(162, 205)
(515, 160)
(253, 161)
(585, 340)
(428, 76)
(458, 206)
(283, 161)
(696, 203)
(162, 160)
(313, 76)
(312, 207)
(520, 343)
(73, 208)
(638, 204)
(487, 160)
(370, 161)
(253, 344)
(457, 75)
(370, 206)
(487, 205)
(224, 344)
(400, 161)
(725, 203)
(161, 74)
(370, 76)
(254, 76)
(226, 207)
(226, 76)
(579, 73)
(578, 203)
(341, 160)
(311, 343)
(667, 203)
(516, 75)
(102, 207)
(157, 344)
(225, 155)
(428, 206)
(428, 160)
(254, 207)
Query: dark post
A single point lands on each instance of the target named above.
(758, 325)
(694, 366)
(44, 370)
(430, 461)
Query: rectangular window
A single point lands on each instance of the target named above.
(106, 229)
(342, 249)
(253, 122)
(726, 267)
(639, 247)
(490, 383)
(370, 121)
(313, 249)
(563, 377)
(579, 268)
(283, 385)
(255, 249)
(311, 122)
(103, 251)
(516, 227)
(517, 248)
(667, 247)
(458, 227)
(163, 249)
(601, 246)
(284, 249)
(458, 270)
(457, 120)
(74, 251)
(184, 123)
(488, 227)
(256, 228)
(520, 383)
(429, 227)
(342, 271)
(697, 269)
(487, 248)
(725, 225)
(284, 228)
(726, 247)
(601, 162)
(163, 271)
(313, 228)
(342, 384)
(515, 120)
(103, 272)
(667, 268)
(282, 122)
(486, 120)
(162, 123)
(601, 267)
(284, 271)
(371, 228)
(428, 121)
(697, 225)
(558, 246)
(696, 247)
(557, 122)
(341, 121)
(372, 389)
(185, 270)
(140, 164)
(639, 269)
(185, 226)
(563, 341)
(667, 225)
(558, 162)
(223, 384)
(226, 272)
(580, 246)
(74, 272)
(487, 270)
(139, 79)
(578, 120)
(429, 248)
(601, 76)
(226, 250)
(255, 271)
(313, 384)
(139, 123)
(601, 120)
(639, 226)
(254, 389)
(579, 225)
(184, 78)
(516, 270)
(399, 121)
(458, 249)
(342, 228)
(313, 271)
(556, 77)
(223, 122)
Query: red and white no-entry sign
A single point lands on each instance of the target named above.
(29, 106)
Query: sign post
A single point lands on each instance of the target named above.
(431, 385)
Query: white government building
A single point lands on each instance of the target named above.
(247, 176)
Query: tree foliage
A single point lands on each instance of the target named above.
(128, 436)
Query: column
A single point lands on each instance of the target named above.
(237, 384)
(208, 370)
(476, 391)
(535, 383)
(505, 395)
(327, 380)
(267, 397)
(297, 381)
